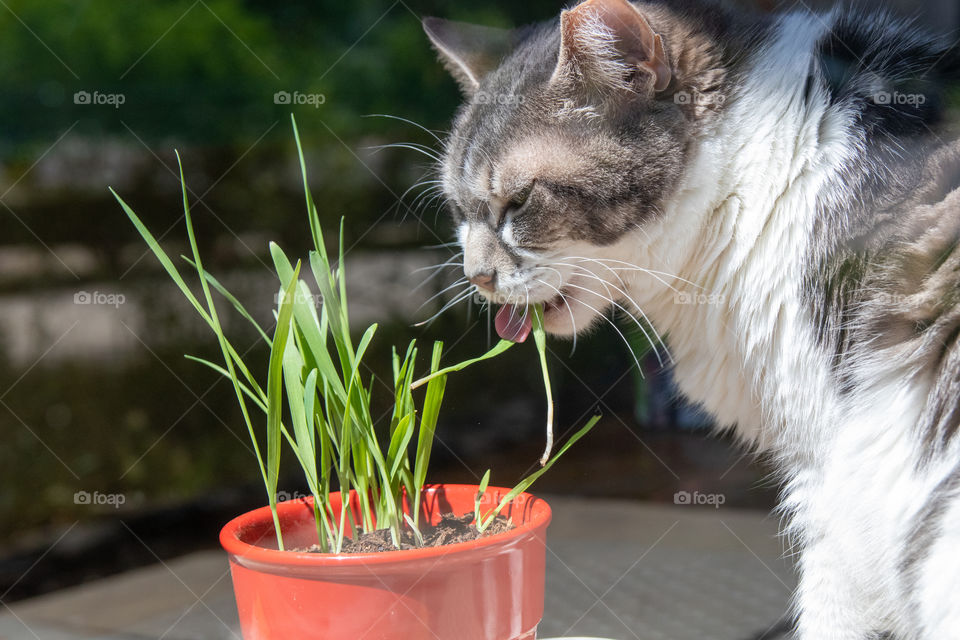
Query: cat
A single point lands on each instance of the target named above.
(778, 195)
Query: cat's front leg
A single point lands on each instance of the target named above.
(829, 605)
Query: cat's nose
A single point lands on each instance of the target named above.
(487, 280)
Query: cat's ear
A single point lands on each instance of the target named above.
(468, 51)
(611, 43)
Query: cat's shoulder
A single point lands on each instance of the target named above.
(913, 301)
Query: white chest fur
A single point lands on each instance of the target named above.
(740, 333)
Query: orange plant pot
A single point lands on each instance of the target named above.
(487, 589)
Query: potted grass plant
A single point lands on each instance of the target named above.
(375, 551)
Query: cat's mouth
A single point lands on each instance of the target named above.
(555, 304)
(514, 322)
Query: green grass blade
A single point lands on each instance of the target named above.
(230, 298)
(275, 392)
(309, 401)
(174, 274)
(416, 531)
(342, 279)
(339, 331)
(481, 490)
(312, 329)
(540, 338)
(258, 399)
(428, 427)
(228, 353)
(315, 230)
(525, 484)
(363, 400)
(162, 256)
(402, 435)
(303, 431)
(497, 349)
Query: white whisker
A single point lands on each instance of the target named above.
(632, 267)
(623, 292)
(470, 291)
(627, 342)
(419, 126)
(458, 283)
(610, 322)
(427, 195)
(412, 146)
(452, 262)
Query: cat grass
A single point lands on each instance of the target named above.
(316, 401)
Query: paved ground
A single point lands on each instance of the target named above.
(616, 569)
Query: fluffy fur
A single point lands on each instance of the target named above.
(786, 209)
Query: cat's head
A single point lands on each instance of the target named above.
(572, 135)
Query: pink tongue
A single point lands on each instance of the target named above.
(513, 323)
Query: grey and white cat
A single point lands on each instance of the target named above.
(778, 195)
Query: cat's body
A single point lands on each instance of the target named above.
(793, 231)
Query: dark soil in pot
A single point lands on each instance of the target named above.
(450, 530)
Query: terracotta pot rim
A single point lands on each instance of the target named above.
(230, 536)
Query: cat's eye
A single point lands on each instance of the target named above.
(518, 200)
(501, 210)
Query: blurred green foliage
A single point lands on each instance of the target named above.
(205, 71)
(201, 76)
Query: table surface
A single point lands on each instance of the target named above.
(650, 572)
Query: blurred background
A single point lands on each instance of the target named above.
(116, 450)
